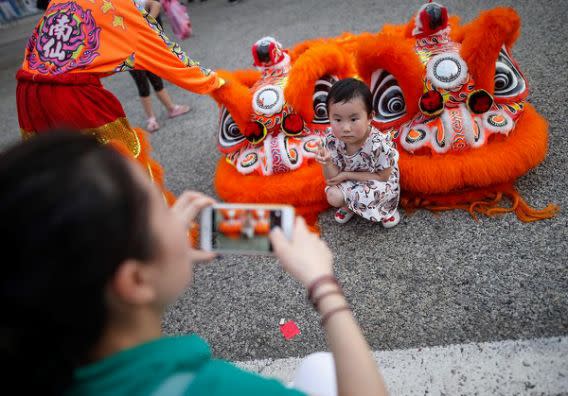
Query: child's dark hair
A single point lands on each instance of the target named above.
(350, 88)
(70, 212)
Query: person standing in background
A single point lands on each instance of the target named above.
(144, 79)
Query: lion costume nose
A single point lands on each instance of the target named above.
(262, 51)
(479, 102)
(267, 52)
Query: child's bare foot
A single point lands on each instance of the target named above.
(391, 221)
(343, 215)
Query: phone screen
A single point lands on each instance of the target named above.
(243, 230)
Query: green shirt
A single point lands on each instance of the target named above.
(171, 366)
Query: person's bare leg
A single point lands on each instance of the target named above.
(166, 100)
(335, 197)
(152, 124)
(173, 109)
(147, 105)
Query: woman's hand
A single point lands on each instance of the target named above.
(339, 178)
(188, 205)
(306, 257)
(323, 156)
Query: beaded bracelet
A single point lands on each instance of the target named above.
(329, 314)
(318, 282)
(317, 300)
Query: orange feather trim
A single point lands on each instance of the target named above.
(482, 40)
(397, 56)
(500, 161)
(315, 62)
(148, 164)
(303, 188)
(303, 47)
(247, 77)
(485, 201)
(236, 97)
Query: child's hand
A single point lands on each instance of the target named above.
(323, 156)
(306, 257)
(384, 174)
(339, 178)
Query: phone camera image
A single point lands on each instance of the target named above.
(243, 229)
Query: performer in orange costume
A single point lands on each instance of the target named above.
(454, 100)
(78, 42)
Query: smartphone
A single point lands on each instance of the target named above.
(243, 228)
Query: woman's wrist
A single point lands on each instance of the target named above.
(326, 296)
(315, 284)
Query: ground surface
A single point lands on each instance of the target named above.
(435, 279)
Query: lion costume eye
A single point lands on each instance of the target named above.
(323, 85)
(508, 80)
(229, 132)
(388, 101)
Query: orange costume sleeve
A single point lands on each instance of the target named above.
(108, 36)
(156, 53)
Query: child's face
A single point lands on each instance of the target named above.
(349, 121)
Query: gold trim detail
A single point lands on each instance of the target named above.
(118, 129)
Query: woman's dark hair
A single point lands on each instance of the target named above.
(70, 212)
(350, 88)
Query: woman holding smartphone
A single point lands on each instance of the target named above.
(97, 258)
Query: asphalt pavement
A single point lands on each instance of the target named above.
(434, 280)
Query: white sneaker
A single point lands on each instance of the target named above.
(343, 215)
(391, 221)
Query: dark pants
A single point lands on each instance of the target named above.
(143, 80)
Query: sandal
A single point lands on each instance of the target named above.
(391, 221)
(343, 215)
(178, 110)
(152, 125)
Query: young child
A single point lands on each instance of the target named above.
(360, 164)
(144, 78)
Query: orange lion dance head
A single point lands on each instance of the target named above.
(454, 100)
(271, 122)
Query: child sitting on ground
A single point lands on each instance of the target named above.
(360, 164)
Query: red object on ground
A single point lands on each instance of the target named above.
(289, 330)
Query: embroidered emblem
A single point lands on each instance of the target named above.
(67, 38)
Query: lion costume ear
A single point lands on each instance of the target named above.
(315, 69)
(388, 63)
(487, 39)
(247, 77)
(236, 96)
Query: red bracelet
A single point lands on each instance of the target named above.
(317, 300)
(329, 314)
(319, 281)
